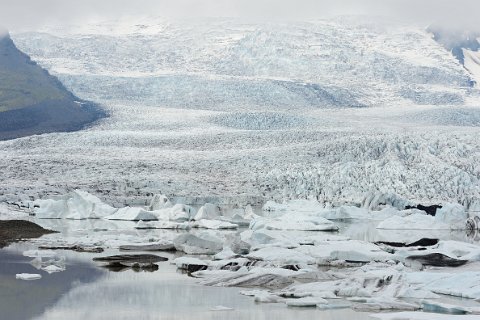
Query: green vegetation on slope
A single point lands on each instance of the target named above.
(22, 82)
(32, 101)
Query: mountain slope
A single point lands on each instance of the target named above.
(32, 101)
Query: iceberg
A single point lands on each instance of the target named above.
(28, 276)
(74, 205)
(132, 214)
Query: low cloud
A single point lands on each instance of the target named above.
(32, 13)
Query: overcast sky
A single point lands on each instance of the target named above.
(18, 13)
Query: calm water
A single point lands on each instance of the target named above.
(86, 291)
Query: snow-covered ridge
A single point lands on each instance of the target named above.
(184, 97)
(373, 64)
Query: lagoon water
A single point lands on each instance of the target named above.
(85, 290)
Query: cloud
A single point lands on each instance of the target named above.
(455, 13)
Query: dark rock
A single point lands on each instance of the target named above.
(431, 210)
(74, 248)
(437, 260)
(195, 267)
(149, 247)
(16, 230)
(424, 242)
(130, 259)
(118, 267)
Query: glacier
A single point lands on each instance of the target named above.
(330, 109)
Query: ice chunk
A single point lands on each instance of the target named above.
(281, 255)
(53, 268)
(214, 224)
(294, 221)
(179, 213)
(132, 214)
(190, 264)
(75, 205)
(160, 201)
(202, 243)
(28, 276)
(414, 221)
(453, 215)
(226, 253)
(208, 211)
(221, 308)
(39, 253)
(305, 302)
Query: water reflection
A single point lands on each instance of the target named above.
(170, 295)
(26, 299)
(366, 230)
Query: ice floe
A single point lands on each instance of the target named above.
(28, 276)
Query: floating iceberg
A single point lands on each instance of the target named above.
(132, 214)
(74, 205)
(449, 217)
(28, 276)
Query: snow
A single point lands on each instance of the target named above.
(28, 276)
(472, 64)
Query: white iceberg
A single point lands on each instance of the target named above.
(178, 213)
(214, 224)
(281, 255)
(160, 201)
(208, 211)
(449, 217)
(74, 205)
(201, 243)
(294, 221)
(28, 276)
(132, 214)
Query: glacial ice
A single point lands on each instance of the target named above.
(200, 243)
(75, 205)
(450, 216)
(132, 214)
(28, 276)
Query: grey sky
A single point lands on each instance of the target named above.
(17, 13)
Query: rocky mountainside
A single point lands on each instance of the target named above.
(34, 102)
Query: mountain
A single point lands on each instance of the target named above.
(32, 101)
(464, 46)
